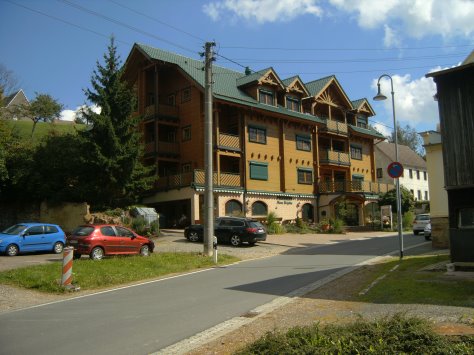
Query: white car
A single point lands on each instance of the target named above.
(421, 220)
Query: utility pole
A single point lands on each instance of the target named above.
(208, 151)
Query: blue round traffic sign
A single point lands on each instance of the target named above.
(395, 169)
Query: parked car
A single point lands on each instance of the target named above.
(233, 230)
(101, 240)
(421, 220)
(427, 231)
(32, 237)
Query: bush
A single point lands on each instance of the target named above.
(407, 220)
(139, 225)
(273, 227)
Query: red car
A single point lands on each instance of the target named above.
(100, 240)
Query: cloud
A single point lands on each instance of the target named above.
(263, 11)
(410, 18)
(391, 38)
(414, 103)
(385, 130)
(413, 18)
(71, 115)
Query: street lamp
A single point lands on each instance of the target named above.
(381, 97)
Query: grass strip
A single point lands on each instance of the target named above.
(90, 274)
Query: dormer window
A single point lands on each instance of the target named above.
(293, 103)
(361, 121)
(266, 97)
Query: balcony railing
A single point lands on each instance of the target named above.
(328, 156)
(353, 186)
(336, 127)
(197, 177)
(163, 148)
(229, 141)
(163, 110)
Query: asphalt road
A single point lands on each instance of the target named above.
(149, 317)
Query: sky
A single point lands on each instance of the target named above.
(52, 46)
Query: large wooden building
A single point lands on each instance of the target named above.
(280, 145)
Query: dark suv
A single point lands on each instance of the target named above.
(233, 230)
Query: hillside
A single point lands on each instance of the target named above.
(23, 128)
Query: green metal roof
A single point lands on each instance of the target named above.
(367, 131)
(315, 86)
(247, 79)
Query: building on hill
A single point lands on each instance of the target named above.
(280, 145)
(415, 173)
(12, 102)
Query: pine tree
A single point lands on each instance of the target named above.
(115, 171)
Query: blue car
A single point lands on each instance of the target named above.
(31, 237)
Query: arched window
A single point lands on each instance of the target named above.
(307, 212)
(259, 209)
(233, 208)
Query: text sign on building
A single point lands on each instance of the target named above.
(395, 170)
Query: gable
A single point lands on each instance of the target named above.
(295, 85)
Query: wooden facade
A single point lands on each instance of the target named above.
(456, 110)
(279, 143)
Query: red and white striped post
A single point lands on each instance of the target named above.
(66, 279)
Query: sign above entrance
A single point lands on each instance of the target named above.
(395, 169)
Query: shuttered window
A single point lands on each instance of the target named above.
(258, 171)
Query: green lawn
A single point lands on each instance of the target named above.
(23, 128)
(89, 274)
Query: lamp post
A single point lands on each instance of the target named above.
(381, 97)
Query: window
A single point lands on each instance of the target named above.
(466, 218)
(124, 232)
(303, 143)
(362, 121)
(305, 176)
(257, 135)
(266, 97)
(186, 133)
(186, 168)
(35, 230)
(50, 229)
(379, 173)
(107, 231)
(258, 171)
(232, 208)
(410, 173)
(292, 103)
(259, 209)
(357, 181)
(186, 95)
(425, 176)
(356, 152)
(418, 174)
(172, 100)
(412, 192)
(426, 195)
(419, 195)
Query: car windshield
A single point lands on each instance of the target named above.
(422, 217)
(83, 231)
(16, 229)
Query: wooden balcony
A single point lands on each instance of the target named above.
(164, 111)
(198, 178)
(229, 141)
(164, 148)
(354, 186)
(336, 127)
(332, 157)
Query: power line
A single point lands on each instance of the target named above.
(64, 21)
(120, 23)
(346, 49)
(157, 20)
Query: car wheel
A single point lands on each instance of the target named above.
(58, 247)
(97, 253)
(252, 244)
(76, 256)
(145, 250)
(416, 232)
(235, 240)
(12, 250)
(193, 237)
